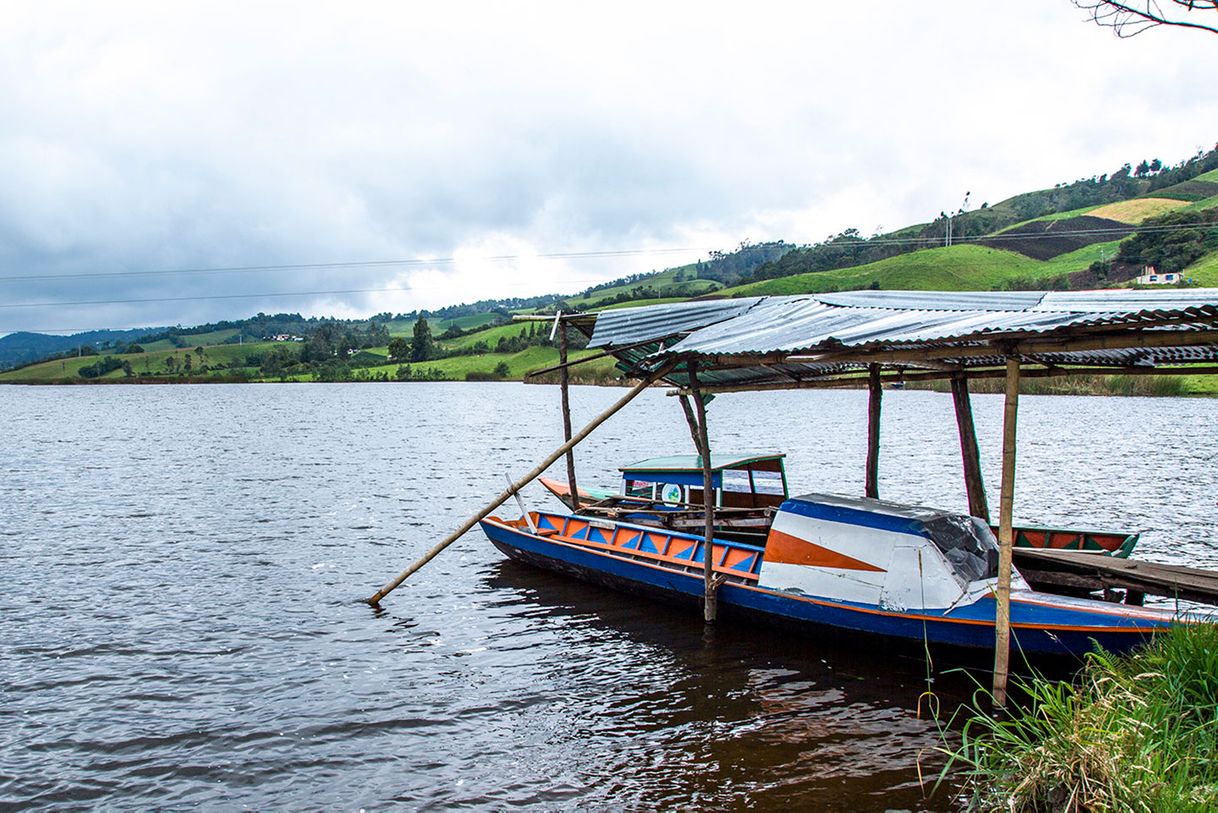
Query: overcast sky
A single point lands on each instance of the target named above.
(155, 136)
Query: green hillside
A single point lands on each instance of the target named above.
(958, 268)
(681, 282)
(216, 362)
(1167, 217)
(1204, 272)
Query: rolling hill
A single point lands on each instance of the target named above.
(1094, 232)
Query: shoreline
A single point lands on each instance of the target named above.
(1113, 386)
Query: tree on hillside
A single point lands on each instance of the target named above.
(399, 349)
(423, 348)
(1127, 19)
(378, 334)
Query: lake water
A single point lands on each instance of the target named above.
(181, 571)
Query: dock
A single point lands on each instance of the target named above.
(1088, 572)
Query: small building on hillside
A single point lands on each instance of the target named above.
(1150, 276)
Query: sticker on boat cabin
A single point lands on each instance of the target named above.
(671, 492)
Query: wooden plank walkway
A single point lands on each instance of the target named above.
(1088, 571)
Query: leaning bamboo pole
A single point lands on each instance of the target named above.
(521, 483)
(1002, 616)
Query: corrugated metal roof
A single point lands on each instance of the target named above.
(1128, 300)
(936, 300)
(790, 324)
(889, 320)
(623, 326)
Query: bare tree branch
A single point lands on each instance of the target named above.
(1128, 19)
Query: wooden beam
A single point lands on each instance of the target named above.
(1002, 619)
(875, 395)
(519, 484)
(855, 379)
(600, 355)
(996, 346)
(564, 383)
(978, 506)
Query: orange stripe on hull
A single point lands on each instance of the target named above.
(791, 550)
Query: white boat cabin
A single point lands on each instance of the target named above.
(886, 554)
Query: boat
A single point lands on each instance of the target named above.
(667, 491)
(842, 565)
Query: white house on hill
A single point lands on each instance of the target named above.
(1150, 276)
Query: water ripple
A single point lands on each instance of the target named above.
(182, 571)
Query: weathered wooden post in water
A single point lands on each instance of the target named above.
(519, 484)
(697, 428)
(564, 383)
(875, 394)
(1002, 617)
(978, 506)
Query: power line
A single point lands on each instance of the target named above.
(929, 240)
(407, 262)
(201, 297)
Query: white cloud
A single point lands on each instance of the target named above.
(141, 136)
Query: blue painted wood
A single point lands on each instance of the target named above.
(1044, 627)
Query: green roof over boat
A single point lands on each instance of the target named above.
(693, 462)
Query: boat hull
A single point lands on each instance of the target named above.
(1042, 626)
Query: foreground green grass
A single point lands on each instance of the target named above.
(1134, 733)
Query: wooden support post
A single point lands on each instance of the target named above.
(710, 604)
(875, 395)
(521, 483)
(978, 506)
(564, 385)
(1002, 620)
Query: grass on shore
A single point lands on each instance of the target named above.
(1136, 733)
(1157, 386)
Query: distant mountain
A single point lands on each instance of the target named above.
(1083, 210)
(1094, 232)
(24, 347)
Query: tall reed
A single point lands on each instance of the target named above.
(1137, 733)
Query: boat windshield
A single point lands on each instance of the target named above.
(967, 543)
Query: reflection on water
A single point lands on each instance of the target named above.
(180, 570)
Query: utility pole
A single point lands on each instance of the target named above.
(963, 209)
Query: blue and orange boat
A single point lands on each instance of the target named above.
(845, 564)
(748, 487)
